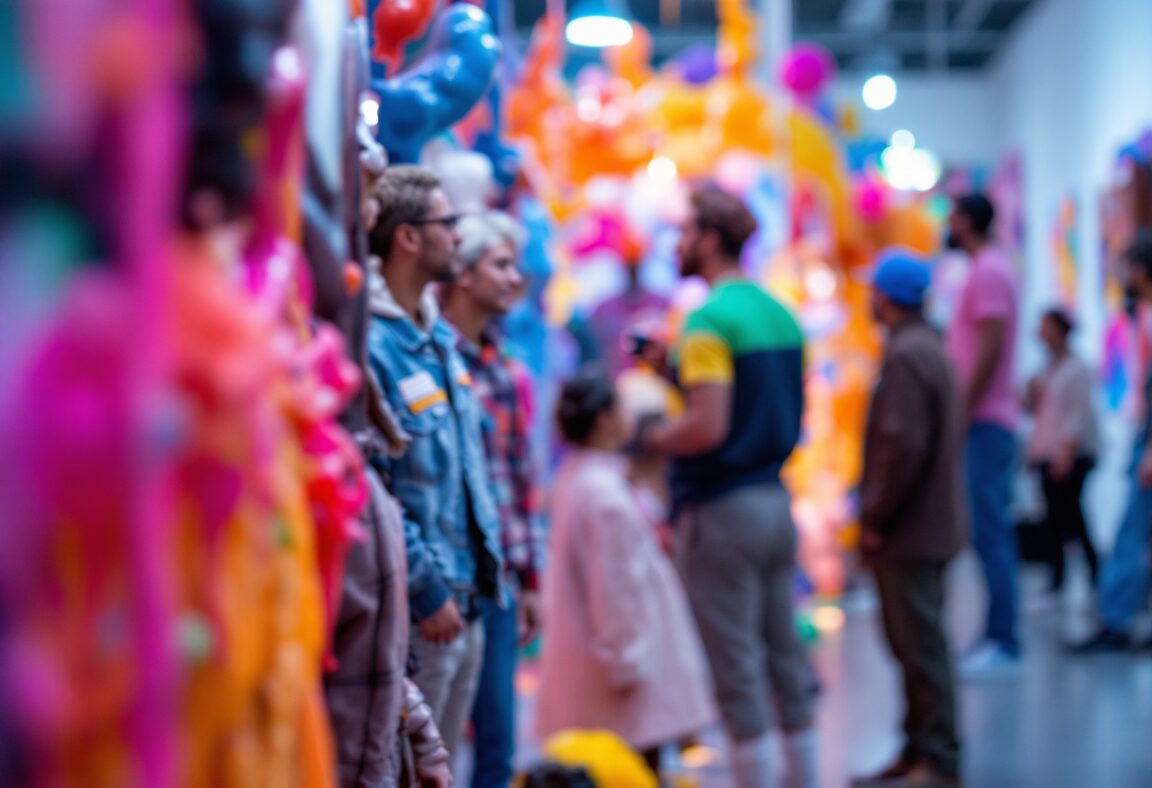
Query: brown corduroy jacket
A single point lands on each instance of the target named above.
(912, 493)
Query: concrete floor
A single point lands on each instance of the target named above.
(1064, 722)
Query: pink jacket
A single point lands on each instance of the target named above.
(621, 651)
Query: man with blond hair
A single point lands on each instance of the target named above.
(486, 287)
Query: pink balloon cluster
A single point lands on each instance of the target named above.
(806, 70)
(871, 197)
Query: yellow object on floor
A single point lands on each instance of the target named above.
(609, 761)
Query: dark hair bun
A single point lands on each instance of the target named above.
(583, 398)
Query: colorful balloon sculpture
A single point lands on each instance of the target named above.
(395, 23)
(442, 86)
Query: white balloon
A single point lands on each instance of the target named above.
(466, 176)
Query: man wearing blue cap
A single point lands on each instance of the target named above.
(913, 517)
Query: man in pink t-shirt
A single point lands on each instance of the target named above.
(981, 341)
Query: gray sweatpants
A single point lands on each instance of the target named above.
(448, 677)
(737, 557)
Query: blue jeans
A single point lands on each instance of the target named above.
(1124, 580)
(494, 715)
(990, 457)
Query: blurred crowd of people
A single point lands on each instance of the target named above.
(652, 638)
(664, 578)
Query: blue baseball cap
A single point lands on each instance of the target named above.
(902, 277)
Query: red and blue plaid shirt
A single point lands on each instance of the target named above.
(503, 387)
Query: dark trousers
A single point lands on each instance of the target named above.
(494, 714)
(1065, 518)
(912, 607)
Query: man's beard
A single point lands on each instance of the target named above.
(952, 241)
(445, 271)
(689, 264)
(1131, 300)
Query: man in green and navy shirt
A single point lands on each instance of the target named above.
(739, 365)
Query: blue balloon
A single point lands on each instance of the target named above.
(439, 89)
(864, 153)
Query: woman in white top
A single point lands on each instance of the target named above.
(1064, 439)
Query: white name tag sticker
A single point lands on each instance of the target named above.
(420, 391)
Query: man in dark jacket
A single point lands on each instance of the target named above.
(913, 517)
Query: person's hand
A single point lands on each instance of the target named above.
(438, 777)
(530, 616)
(443, 626)
(1144, 472)
(1031, 395)
(642, 443)
(654, 354)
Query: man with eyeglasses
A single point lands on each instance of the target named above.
(451, 524)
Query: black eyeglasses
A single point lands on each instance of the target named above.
(450, 221)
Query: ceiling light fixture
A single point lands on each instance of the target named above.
(599, 24)
(879, 92)
(903, 139)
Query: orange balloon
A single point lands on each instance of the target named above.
(632, 62)
(676, 106)
(736, 45)
(740, 116)
(910, 226)
(353, 278)
(693, 153)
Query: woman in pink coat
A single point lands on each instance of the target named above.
(621, 652)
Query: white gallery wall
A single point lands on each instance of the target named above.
(954, 116)
(1072, 86)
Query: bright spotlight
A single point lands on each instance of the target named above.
(662, 169)
(903, 139)
(879, 92)
(599, 31)
(821, 283)
(370, 111)
(910, 169)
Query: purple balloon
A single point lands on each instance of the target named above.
(697, 64)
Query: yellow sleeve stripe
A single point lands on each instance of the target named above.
(424, 403)
(705, 358)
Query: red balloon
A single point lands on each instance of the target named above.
(395, 23)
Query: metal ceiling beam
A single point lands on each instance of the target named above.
(972, 14)
(866, 15)
(665, 42)
(901, 40)
(937, 44)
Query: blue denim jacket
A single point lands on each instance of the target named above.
(442, 479)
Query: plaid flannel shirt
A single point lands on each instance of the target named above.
(496, 380)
